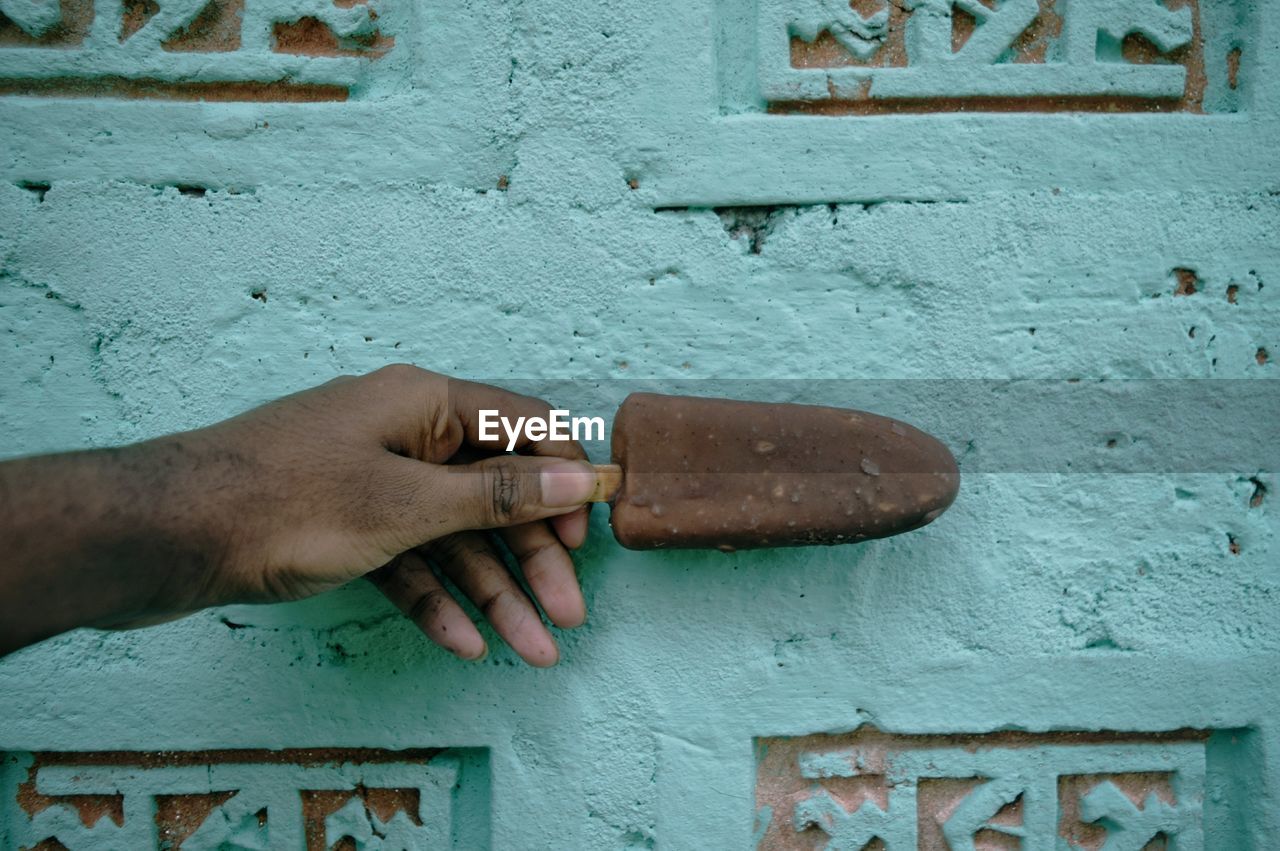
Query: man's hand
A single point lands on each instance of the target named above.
(384, 474)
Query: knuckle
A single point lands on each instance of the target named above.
(504, 492)
(428, 605)
(401, 373)
(449, 549)
(533, 551)
(461, 551)
(495, 601)
(522, 403)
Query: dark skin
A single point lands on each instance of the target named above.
(381, 475)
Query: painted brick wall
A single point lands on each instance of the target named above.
(205, 206)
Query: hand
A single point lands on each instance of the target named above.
(385, 473)
(379, 472)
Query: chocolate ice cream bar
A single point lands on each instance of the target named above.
(736, 475)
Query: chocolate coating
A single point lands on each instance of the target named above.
(735, 475)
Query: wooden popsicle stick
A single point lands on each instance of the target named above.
(608, 482)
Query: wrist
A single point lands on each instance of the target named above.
(181, 527)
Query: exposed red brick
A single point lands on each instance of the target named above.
(826, 52)
(48, 845)
(925, 106)
(963, 23)
(1187, 282)
(307, 36)
(867, 8)
(215, 30)
(318, 805)
(1233, 68)
(937, 798)
(134, 16)
(119, 87)
(1136, 787)
(310, 36)
(780, 786)
(1139, 50)
(77, 19)
(92, 808)
(179, 816)
(962, 26)
(1031, 47)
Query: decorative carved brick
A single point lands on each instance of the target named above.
(869, 56)
(885, 792)
(286, 50)
(187, 801)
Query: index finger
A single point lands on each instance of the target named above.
(467, 399)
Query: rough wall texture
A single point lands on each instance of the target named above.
(203, 207)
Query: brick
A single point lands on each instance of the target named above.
(215, 50)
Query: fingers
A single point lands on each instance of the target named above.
(571, 528)
(471, 563)
(421, 502)
(410, 583)
(434, 418)
(467, 399)
(477, 569)
(549, 571)
(426, 411)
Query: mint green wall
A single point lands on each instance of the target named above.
(902, 247)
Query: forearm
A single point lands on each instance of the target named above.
(101, 537)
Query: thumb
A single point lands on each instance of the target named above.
(503, 491)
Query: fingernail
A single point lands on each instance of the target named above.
(566, 484)
(483, 655)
